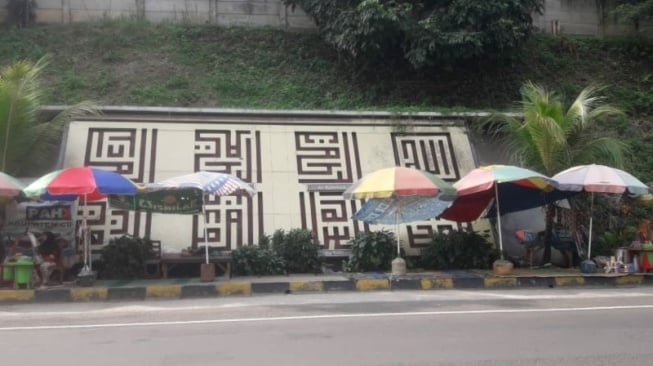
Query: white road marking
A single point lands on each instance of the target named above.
(331, 316)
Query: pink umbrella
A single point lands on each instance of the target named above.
(601, 179)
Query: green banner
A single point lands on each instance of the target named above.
(188, 201)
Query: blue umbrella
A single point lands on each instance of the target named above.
(398, 210)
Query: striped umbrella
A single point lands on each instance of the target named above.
(399, 195)
(83, 181)
(218, 184)
(211, 183)
(596, 178)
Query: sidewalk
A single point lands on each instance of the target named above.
(183, 288)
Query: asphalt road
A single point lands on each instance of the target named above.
(514, 327)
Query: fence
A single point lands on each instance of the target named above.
(578, 17)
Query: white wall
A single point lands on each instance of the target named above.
(299, 165)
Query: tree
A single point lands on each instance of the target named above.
(634, 11)
(28, 141)
(425, 33)
(550, 137)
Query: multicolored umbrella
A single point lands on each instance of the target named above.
(84, 183)
(400, 195)
(483, 185)
(9, 186)
(398, 182)
(596, 178)
(218, 184)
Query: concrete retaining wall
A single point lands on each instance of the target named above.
(579, 17)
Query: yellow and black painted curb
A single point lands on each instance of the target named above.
(246, 288)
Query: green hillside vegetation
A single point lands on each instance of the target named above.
(134, 63)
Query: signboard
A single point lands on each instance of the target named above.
(188, 201)
(37, 217)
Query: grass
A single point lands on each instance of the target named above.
(135, 63)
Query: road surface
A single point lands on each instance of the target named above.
(450, 327)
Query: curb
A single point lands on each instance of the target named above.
(140, 293)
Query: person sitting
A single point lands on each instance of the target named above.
(47, 255)
(49, 248)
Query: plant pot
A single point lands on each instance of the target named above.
(207, 272)
(587, 266)
(398, 267)
(502, 267)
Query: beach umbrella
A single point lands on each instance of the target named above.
(86, 184)
(494, 184)
(209, 183)
(9, 186)
(399, 195)
(595, 178)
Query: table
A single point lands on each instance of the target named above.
(170, 260)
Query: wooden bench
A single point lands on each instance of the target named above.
(170, 260)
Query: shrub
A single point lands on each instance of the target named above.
(459, 250)
(257, 261)
(298, 249)
(371, 251)
(124, 257)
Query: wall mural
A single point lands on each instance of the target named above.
(299, 170)
(231, 221)
(130, 152)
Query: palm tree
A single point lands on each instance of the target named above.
(550, 137)
(28, 140)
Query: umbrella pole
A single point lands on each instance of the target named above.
(589, 244)
(397, 229)
(496, 197)
(87, 235)
(82, 237)
(206, 232)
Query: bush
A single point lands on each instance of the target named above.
(257, 261)
(124, 257)
(298, 249)
(371, 251)
(459, 250)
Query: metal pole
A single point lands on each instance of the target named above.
(589, 244)
(82, 237)
(496, 197)
(397, 229)
(206, 235)
(87, 236)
